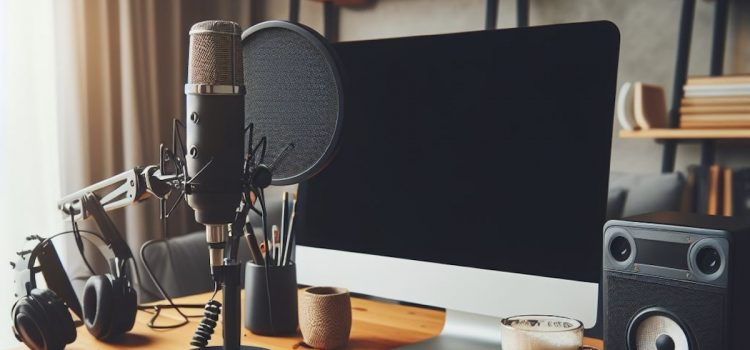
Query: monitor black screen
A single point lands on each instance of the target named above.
(484, 149)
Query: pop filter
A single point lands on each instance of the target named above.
(294, 97)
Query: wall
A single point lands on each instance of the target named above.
(649, 42)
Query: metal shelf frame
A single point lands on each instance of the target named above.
(718, 46)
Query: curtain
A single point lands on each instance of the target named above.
(29, 165)
(122, 66)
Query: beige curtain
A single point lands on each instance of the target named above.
(122, 70)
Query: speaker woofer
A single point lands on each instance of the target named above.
(658, 329)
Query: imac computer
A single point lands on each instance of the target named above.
(471, 175)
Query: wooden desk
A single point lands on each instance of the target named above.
(376, 325)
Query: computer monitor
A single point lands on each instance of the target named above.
(471, 174)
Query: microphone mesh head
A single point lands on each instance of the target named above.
(215, 54)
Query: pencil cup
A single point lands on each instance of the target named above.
(325, 317)
(277, 314)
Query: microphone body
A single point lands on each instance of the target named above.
(215, 126)
(215, 156)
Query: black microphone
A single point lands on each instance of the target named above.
(215, 121)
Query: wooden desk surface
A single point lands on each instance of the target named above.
(376, 325)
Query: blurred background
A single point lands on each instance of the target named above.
(89, 88)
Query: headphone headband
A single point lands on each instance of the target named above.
(90, 236)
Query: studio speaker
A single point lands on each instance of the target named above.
(676, 281)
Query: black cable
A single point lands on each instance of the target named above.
(158, 307)
(79, 243)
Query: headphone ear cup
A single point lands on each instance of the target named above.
(125, 307)
(98, 307)
(30, 325)
(62, 321)
(42, 321)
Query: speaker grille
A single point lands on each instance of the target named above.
(702, 309)
(293, 96)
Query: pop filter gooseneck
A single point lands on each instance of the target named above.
(294, 97)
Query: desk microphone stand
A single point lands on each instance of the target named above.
(231, 307)
(230, 275)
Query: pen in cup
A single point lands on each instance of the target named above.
(290, 238)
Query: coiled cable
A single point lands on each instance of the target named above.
(206, 327)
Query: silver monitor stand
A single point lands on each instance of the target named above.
(467, 293)
(463, 330)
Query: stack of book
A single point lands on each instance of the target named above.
(717, 190)
(721, 102)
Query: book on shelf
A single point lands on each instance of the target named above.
(688, 125)
(709, 122)
(723, 109)
(718, 80)
(720, 102)
(717, 190)
(715, 121)
(736, 117)
(718, 86)
(714, 190)
(702, 92)
(716, 101)
(727, 204)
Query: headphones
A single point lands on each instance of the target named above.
(41, 319)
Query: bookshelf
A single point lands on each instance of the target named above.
(672, 136)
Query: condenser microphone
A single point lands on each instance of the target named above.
(215, 121)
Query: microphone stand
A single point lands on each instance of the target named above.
(232, 307)
(230, 276)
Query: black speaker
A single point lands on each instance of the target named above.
(676, 281)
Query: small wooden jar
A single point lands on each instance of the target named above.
(325, 317)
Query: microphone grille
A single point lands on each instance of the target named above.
(215, 54)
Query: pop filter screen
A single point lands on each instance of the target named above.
(294, 97)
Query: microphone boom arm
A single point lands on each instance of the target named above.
(132, 186)
(135, 185)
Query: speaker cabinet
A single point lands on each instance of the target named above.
(676, 281)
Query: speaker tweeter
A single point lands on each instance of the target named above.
(707, 259)
(621, 249)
